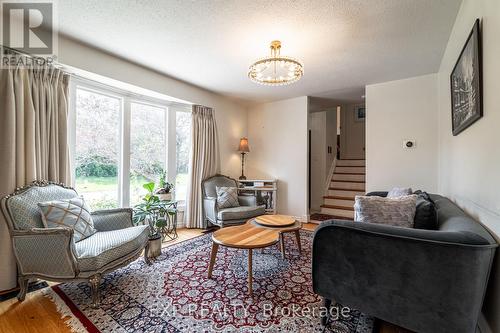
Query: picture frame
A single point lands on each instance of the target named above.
(466, 83)
(359, 113)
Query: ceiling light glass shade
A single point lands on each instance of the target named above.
(276, 70)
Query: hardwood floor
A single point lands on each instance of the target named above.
(37, 314)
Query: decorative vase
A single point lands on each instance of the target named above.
(154, 246)
(165, 196)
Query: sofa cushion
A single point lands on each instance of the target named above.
(104, 247)
(227, 197)
(426, 213)
(241, 212)
(68, 213)
(453, 219)
(397, 192)
(391, 211)
(424, 195)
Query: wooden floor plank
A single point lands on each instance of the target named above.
(37, 314)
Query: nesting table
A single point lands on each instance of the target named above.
(261, 232)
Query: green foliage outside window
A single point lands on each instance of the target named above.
(96, 166)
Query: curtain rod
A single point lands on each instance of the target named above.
(69, 71)
(16, 51)
(53, 63)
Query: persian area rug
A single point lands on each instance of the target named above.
(326, 217)
(175, 295)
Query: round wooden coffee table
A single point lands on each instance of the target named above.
(249, 236)
(282, 230)
(275, 220)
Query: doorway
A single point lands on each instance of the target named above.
(352, 132)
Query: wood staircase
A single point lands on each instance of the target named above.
(348, 180)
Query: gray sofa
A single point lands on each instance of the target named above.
(227, 216)
(422, 280)
(51, 253)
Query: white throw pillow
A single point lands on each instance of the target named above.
(397, 192)
(68, 213)
(227, 197)
(391, 211)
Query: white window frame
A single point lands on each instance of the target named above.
(126, 99)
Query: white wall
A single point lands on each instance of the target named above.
(277, 134)
(323, 127)
(469, 163)
(331, 138)
(317, 126)
(395, 111)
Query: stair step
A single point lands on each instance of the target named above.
(348, 181)
(345, 193)
(351, 173)
(337, 207)
(350, 163)
(339, 202)
(347, 186)
(359, 170)
(338, 212)
(347, 176)
(339, 197)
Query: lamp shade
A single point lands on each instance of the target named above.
(244, 145)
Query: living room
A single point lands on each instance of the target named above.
(187, 166)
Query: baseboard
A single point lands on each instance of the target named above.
(482, 325)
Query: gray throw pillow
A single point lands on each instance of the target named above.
(398, 212)
(426, 215)
(227, 197)
(68, 213)
(397, 192)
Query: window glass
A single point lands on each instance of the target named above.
(183, 146)
(97, 148)
(106, 121)
(147, 147)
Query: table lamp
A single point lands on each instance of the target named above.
(243, 149)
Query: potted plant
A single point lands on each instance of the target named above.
(164, 190)
(153, 211)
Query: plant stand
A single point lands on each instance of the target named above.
(154, 249)
(169, 230)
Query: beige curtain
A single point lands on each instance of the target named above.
(33, 140)
(203, 162)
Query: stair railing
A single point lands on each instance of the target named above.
(329, 178)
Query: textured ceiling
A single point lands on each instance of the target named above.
(344, 44)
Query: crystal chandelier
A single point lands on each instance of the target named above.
(276, 70)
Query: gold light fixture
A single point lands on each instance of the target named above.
(276, 70)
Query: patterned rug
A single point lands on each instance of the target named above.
(175, 295)
(326, 217)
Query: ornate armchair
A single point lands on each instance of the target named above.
(227, 216)
(51, 254)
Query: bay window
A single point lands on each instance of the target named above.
(119, 141)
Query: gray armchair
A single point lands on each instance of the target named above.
(227, 216)
(51, 254)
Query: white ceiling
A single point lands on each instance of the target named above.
(344, 44)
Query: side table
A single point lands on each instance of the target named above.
(169, 229)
